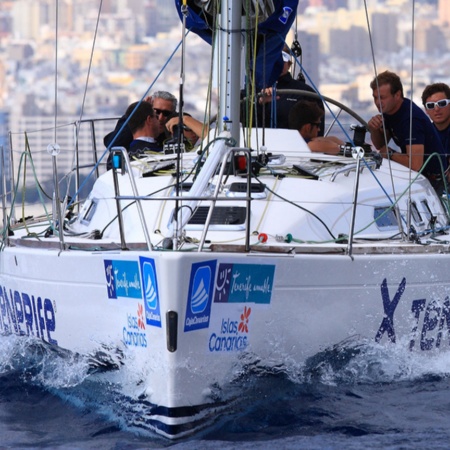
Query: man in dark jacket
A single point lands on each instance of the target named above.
(144, 127)
(275, 107)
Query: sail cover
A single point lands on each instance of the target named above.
(274, 19)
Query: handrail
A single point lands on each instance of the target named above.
(248, 198)
(358, 154)
(125, 157)
(351, 167)
(213, 199)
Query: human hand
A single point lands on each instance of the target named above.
(174, 121)
(375, 123)
(266, 96)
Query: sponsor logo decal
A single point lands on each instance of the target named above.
(244, 283)
(233, 334)
(287, 11)
(122, 279)
(150, 288)
(431, 320)
(23, 313)
(134, 331)
(201, 286)
(387, 325)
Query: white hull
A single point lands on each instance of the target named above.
(273, 286)
(182, 269)
(275, 309)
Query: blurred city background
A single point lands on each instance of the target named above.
(46, 48)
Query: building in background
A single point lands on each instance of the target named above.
(444, 12)
(136, 38)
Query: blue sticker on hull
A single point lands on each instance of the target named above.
(244, 283)
(122, 279)
(151, 295)
(201, 286)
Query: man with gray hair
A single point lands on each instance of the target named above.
(164, 105)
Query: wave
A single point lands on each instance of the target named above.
(299, 396)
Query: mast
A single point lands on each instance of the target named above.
(230, 38)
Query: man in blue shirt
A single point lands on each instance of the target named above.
(417, 141)
(436, 101)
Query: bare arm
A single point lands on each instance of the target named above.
(200, 129)
(416, 151)
(329, 144)
(377, 134)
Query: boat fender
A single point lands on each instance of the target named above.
(262, 237)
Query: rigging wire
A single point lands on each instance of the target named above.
(381, 109)
(411, 108)
(90, 63)
(78, 125)
(179, 138)
(125, 124)
(56, 67)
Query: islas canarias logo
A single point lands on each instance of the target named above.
(245, 316)
(133, 332)
(233, 334)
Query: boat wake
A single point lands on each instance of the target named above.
(297, 395)
(354, 388)
(357, 360)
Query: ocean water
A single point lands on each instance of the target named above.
(356, 395)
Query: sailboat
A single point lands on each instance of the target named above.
(185, 266)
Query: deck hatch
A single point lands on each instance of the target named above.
(222, 215)
(385, 218)
(257, 190)
(224, 218)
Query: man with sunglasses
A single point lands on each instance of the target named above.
(417, 141)
(436, 100)
(164, 105)
(306, 117)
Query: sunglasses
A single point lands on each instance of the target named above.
(441, 103)
(164, 112)
(317, 124)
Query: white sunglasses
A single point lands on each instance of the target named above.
(441, 103)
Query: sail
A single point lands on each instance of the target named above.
(271, 18)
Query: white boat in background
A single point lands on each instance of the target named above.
(185, 266)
